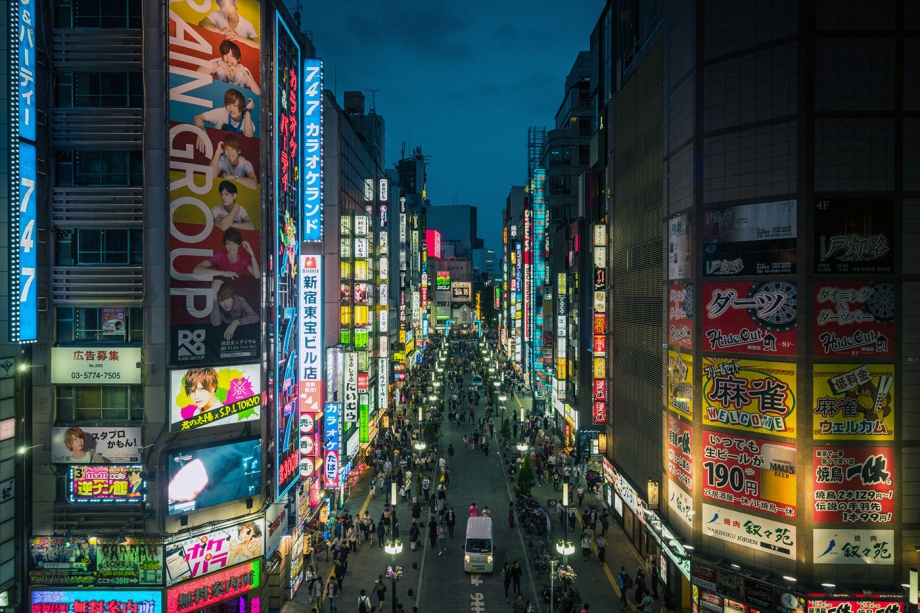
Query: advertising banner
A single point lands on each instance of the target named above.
(680, 383)
(206, 397)
(93, 445)
(363, 406)
(311, 357)
(215, 174)
(849, 606)
(311, 441)
(95, 562)
(749, 472)
(85, 601)
(763, 535)
(853, 402)
(750, 239)
(312, 125)
(854, 484)
(854, 319)
(113, 322)
(750, 317)
(680, 503)
(680, 451)
(331, 442)
(442, 281)
(854, 237)
(350, 388)
(79, 365)
(289, 201)
(275, 526)
(200, 593)
(461, 291)
(106, 484)
(680, 315)
(680, 247)
(749, 395)
(833, 546)
(201, 477)
(214, 550)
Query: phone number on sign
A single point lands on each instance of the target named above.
(95, 375)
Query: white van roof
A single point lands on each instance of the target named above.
(479, 528)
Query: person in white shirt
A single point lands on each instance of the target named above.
(227, 68)
(231, 24)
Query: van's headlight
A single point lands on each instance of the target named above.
(490, 559)
(466, 559)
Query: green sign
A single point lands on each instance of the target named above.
(361, 337)
(362, 418)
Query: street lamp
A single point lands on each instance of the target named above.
(565, 549)
(393, 547)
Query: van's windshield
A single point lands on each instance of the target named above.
(479, 545)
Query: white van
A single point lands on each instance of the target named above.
(477, 554)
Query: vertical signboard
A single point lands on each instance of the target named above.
(599, 345)
(23, 173)
(215, 123)
(312, 124)
(680, 315)
(331, 443)
(680, 383)
(311, 356)
(680, 247)
(680, 451)
(289, 200)
(350, 388)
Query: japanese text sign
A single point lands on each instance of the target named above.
(854, 484)
(680, 451)
(833, 546)
(750, 239)
(331, 434)
(96, 601)
(680, 315)
(854, 319)
(750, 317)
(80, 365)
(680, 383)
(853, 402)
(763, 535)
(749, 395)
(312, 118)
(95, 562)
(96, 445)
(214, 550)
(855, 237)
(199, 593)
(105, 484)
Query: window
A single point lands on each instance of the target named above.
(75, 403)
(98, 89)
(559, 186)
(86, 247)
(98, 13)
(99, 168)
(96, 325)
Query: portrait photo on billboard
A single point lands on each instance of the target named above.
(205, 397)
(215, 193)
(854, 236)
(95, 561)
(214, 550)
(200, 477)
(93, 445)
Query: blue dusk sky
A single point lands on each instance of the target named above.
(462, 80)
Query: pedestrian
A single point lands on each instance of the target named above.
(511, 515)
(648, 604)
(364, 603)
(373, 485)
(605, 522)
(586, 535)
(339, 573)
(506, 578)
(433, 532)
(381, 532)
(414, 533)
(519, 606)
(380, 589)
(601, 548)
(353, 538)
(426, 488)
(654, 578)
(516, 572)
(316, 594)
(442, 538)
(581, 495)
(486, 512)
(450, 518)
(332, 594)
(474, 510)
(586, 608)
(624, 582)
(572, 519)
(555, 481)
(640, 585)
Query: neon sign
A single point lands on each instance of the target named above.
(200, 593)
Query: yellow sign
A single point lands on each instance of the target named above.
(600, 368)
(399, 356)
(402, 337)
(749, 395)
(680, 383)
(560, 369)
(361, 316)
(853, 402)
(410, 346)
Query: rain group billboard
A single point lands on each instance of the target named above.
(750, 317)
(853, 402)
(854, 237)
(750, 239)
(215, 184)
(854, 318)
(749, 395)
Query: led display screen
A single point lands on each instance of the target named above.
(205, 397)
(84, 601)
(206, 476)
(105, 484)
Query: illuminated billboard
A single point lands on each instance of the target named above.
(215, 123)
(442, 281)
(95, 561)
(433, 240)
(200, 593)
(206, 397)
(311, 357)
(23, 179)
(105, 484)
(94, 445)
(289, 197)
(84, 601)
(202, 477)
(853, 402)
(331, 438)
(312, 124)
(749, 395)
(214, 550)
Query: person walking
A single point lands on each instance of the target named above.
(581, 495)
(555, 481)
(433, 532)
(624, 582)
(586, 535)
(516, 572)
(364, 603)
(380, 589)
(648, 604)
(640, 585)
(353, 538)
(601, 548)
(332, 594)
(373, 486)
(381, 532)
(506, 578)
(654, 578)
(450, 518)
(316, 594)
(442, 538)
(519, 606)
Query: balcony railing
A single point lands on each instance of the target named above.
(98, 285)
(97, 128)
(74, 207)
(107, 50)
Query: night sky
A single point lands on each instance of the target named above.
(463, 81)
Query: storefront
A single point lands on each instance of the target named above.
(232, 590)
(109, 601)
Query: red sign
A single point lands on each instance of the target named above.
(757, 318)
(854, 606)
(854, 319)
(600, 345)
(600, 323)
(600, 412)
(362, 381)
(600, 389)
(750, 473)
(680, 315)
(854, 484)
(199, 593)
(680, 451)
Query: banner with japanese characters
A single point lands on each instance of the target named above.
(854, 484)
(680, 383)
(680, 451)
(88, 601)
(206, 397)
(680, 503)
(853, 402)
(680, 315)
(855, 237)
(680, 247)
(863, 605)
(96, 365)
(759, 534)
(95, 561)
(832, 546)
(854, 318)
(753, 473)
(214, 550)
(94, 445)
(750, 317)
(749, 395)
(750, 239)
(106, 484)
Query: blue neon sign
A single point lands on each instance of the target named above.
(312, 121)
